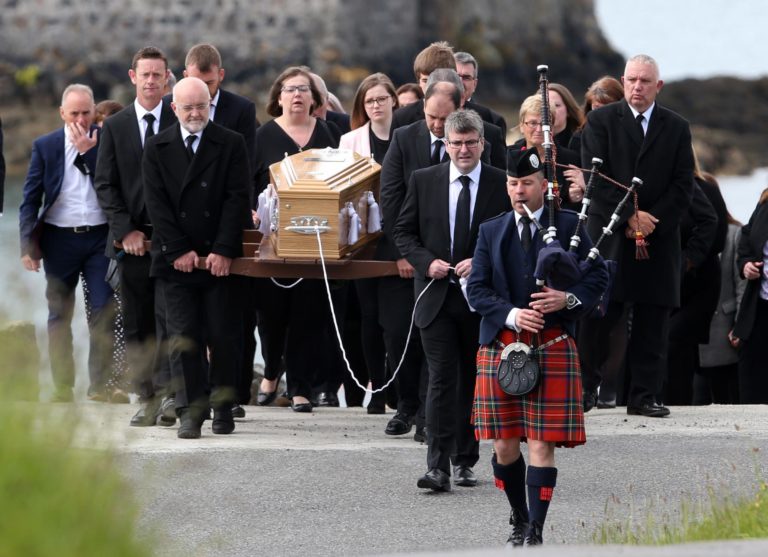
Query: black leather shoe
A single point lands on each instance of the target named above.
(589, 399)
(191, 424)
(519, 522)
(328, 399)
(420, 435)
(304, 407)
(464, 476)
(436, 480)
(238, 411)
(400, 424)
(166, 414)
(223, 422)
(648, 409)
(265, 399)
(147, 414)
(533, 534)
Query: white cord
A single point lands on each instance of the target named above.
(286, 286)
(338, 334)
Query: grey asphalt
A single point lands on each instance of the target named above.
(331, 483)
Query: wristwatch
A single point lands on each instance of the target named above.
(571, 301)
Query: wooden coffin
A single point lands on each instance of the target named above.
(313, 187)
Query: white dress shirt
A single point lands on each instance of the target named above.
(76, 204)
(454, 189)
(646, 116)
(143, 124)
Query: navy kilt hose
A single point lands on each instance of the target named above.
(552, 412)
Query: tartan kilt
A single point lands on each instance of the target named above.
(552, 412)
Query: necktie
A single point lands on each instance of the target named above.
(190, 142)
(461, 223)
(435, 159)
(639, 119)
(525, 234)
(149, 117)
(81, 166)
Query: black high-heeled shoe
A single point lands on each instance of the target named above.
(265, 399)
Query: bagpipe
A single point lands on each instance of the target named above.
(557, 267)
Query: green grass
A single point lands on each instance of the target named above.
(56, 499)
(715, 517)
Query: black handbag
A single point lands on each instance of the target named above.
(518, 373)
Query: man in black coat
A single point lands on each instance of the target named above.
(468, 69)
(121, 195)
(196, 178)
(638, 138)
(437, 232)
(238, 114)
(418, 145)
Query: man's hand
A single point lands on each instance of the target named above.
(529, 320)
(404, 268)
(186, 263)
(643, 221)
(218, 264)
(548, 300)
(463, 268)
(752, 270)
(438, 269)
(255, 218)
(30, 264)
(133, 243)
(81, 139)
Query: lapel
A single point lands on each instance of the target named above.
(221, 108)
(58, 163)
(629, 124)
(167, 116)
(442, 201)
(133, 133)
(655, 127)
(423, 145)
(206, 154)
(509, 243)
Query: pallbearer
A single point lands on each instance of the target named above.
(503, 291)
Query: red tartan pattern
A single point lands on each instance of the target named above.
(552, 412)
(545, 493)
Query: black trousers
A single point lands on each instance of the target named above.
(647, 353)
(602, 346)
(753, 372)
(248, 289)
(147, 358)
(371, 333)
(289, 322)
(203, 318)
(450, 344)
(395, 309)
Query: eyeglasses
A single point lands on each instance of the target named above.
(533, 124)
(291, 89)
(191, 107)
(376, 100)
(467, 77)
(470, 143)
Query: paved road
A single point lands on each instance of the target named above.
(332, 484)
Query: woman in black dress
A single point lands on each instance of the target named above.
(288, 317)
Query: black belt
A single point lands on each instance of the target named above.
(81, 229)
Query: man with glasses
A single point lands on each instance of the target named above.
(196, 180)
(467, 68)
(436, 232)
(121, 195)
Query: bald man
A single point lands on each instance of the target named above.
(196, 178)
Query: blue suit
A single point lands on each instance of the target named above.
(502, 275)
(66, 253)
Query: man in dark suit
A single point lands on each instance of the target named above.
(437, 232)
(237, 114)
(637, 137)
(196, 179)
(121, 195)
(495, 151)
(418, 145)
(69, 234)
(467, 68)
